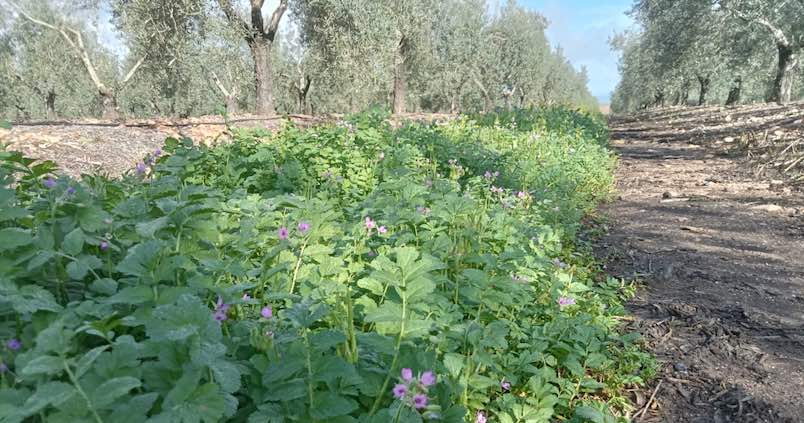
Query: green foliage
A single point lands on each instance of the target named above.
(245, 283)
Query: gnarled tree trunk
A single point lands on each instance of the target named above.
(735, 93)
(704, 82)
(263, 75)
(259, 36)
(50, 104)
(782, 88)
(400, 88)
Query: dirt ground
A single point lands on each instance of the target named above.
(719, 251)
(113, 148)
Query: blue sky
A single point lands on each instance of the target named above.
(582, 28)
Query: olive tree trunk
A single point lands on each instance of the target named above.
(782, 88)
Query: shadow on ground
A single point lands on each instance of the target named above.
(721, 257)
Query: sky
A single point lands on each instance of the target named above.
(582, 28)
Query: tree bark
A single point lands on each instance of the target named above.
(704, 91)
(735, 93)
(400, 88)
(259, 36)
(50, 104)
(263, 75)
(302, 91)
(782, 88)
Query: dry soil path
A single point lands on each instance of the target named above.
(721, 258)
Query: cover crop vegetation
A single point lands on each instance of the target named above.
(349, 272)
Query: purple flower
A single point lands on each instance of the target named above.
(157, 152)
(488, 175)
(419, 401)
(220, 310)
(14, 344)
(382, 229)
(400, 390)
(565, 301)
(304, 227)
(480, 417)
(3, 368)
(505, 385)
(49, 183)
(282, 233)
(267, 312)
(522, 195)
(407, 374)
(370, 224)
(104, 245)
(70, 190)
(428, 378)
(141, 168)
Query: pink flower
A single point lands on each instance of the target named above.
(419, 401)
(480, 417)
(505, 385)
(104, 245)
(400, 390)
(370, 224)
(522, 195)
(428, 378)
(382, 229)
(267, 312)
(566, 301)
(283, 233)
(407, 374)
(246, 297)
(304, 227)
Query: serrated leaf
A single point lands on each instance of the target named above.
(51, 393)
(148, 229)
(113, 389)
(73, 242)
(11, 238)
(85, 362)
(329, 404)
(44, 364)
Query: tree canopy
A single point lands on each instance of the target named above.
(198, 57)
(722, 50)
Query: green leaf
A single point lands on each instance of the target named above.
(330, 404)
(73, 242)
(44, 364)
(50, 393)
(148, 229)
(87, 359)
(11, 238)
(133, 295)
(454, 363)
(140, 259)
(113, 389)
(588, 414)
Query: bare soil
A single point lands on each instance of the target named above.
(114, 147)
(719, 248)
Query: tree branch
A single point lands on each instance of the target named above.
(273, 25)
(133, 70)
(220, 85)
(778, 35)
(233, 17)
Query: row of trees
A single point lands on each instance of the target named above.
(711, 51)
(196, 57)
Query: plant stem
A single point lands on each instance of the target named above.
(396, 357)
(81, 391)
(296, 269)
